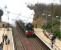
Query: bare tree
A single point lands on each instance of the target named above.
(1, 13)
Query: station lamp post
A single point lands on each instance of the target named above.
(52, 14)
(60, 20)
(8, 17)
(8, 20)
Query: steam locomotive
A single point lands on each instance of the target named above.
(27, 29)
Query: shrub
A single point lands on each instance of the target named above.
(57, 34)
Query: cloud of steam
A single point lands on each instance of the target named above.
(18, 10)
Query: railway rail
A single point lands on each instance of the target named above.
(17, 40)
(24, 43)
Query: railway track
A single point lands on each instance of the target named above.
(24, 43)
(17, 40)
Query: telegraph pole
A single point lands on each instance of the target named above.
(60, 19)
(52, 18)
(8, 19)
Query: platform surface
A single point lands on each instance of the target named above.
(9, 33)
(39, 33)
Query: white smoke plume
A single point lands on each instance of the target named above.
(16, 10)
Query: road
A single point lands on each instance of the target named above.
(24, 43)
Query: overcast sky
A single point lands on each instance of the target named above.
(19, 10)
(43, 1)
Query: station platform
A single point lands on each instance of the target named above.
(39, 33)
(4, 31)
